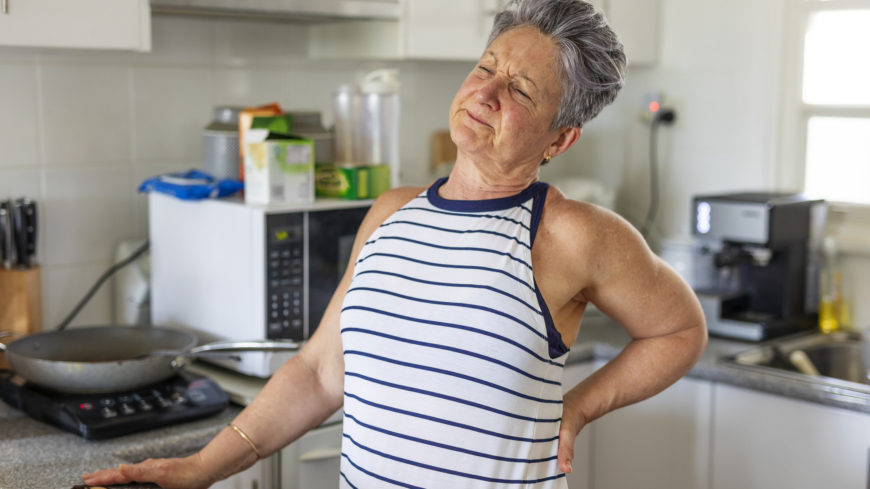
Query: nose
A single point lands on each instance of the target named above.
(488, 94)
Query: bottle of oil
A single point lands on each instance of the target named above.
(834, 310)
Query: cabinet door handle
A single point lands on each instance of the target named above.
(4, 6)
(868, 469)
(320, 454)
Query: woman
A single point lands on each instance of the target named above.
(445, 341)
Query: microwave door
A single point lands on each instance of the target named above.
(331, 235)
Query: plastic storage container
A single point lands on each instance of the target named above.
(380, 109)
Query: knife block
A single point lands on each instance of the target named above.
(20, 304)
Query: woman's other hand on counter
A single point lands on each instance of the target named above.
(168, 473)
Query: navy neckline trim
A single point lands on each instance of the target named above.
(489, 205)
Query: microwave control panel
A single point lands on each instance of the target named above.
(285, 276)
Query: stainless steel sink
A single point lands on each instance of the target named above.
(841, 358)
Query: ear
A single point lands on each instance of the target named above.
(567, 137)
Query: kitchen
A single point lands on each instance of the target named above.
(81, 129)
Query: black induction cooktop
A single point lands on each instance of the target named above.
(97, 416)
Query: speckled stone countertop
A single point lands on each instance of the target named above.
(37, 456)
(34, 455)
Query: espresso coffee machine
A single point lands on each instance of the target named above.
(756, 271)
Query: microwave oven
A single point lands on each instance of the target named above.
(227, 271)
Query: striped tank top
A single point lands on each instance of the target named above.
(452, 361)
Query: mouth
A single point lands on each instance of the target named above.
(476, 119)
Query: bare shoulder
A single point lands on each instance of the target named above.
(569, 221)
(591, 236)
(386, 205)
(393, 200)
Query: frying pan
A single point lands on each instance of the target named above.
(111, 358)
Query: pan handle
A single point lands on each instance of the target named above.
(4, 334)
(230, 347)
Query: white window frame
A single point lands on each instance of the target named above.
(795, 113)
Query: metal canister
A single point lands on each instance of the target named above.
(309, 125)
(220, 144)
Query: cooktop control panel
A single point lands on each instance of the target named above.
(96, 416)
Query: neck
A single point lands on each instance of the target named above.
(469, 181)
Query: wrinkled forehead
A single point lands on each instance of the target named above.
(527, 54)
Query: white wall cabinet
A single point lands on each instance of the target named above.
(771, 442)
(660, 443)
(454, 30)
(458, 30)
(90, 24)
(448, 29)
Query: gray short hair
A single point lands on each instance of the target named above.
(591, 58)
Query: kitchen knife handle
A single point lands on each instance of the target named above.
(20, 233)
(31, 232)
(3, 253)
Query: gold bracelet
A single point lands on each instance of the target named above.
(253, 447)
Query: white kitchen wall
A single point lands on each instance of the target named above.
(80, 129)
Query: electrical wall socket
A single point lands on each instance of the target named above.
(663, 101)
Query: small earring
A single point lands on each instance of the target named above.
(547, 158)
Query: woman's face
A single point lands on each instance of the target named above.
(504, 109)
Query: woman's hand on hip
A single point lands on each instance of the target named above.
(168, 473)
(573, 420)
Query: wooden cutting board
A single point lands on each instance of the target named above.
(20, 304)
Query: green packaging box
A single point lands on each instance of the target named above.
(351, 182)
(279, 167)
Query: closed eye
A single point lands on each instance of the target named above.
(485, 69)
(524, 94)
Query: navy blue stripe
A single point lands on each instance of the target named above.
(449, 423)
(485, 250)
(449, 447)
(456, 326)
(469, 231)
(556, 345)
(526, 209)
(453, 374)
(450, 348)
(443, 284)
(490, 216)
(448, 471)
(451, 399)
(346, 479)
(454, 304)
(465, 267)
(376, 476)
(490, 205)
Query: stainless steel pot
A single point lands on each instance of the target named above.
(112, 358)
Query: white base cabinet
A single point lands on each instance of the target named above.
(89, 24)
(258, 476)
(660, 443)
(765, 441)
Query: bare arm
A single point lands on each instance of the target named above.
(657, 309)
(302, 394)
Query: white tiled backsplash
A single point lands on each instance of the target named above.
(80, 129)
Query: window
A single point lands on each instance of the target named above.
(835, 99)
